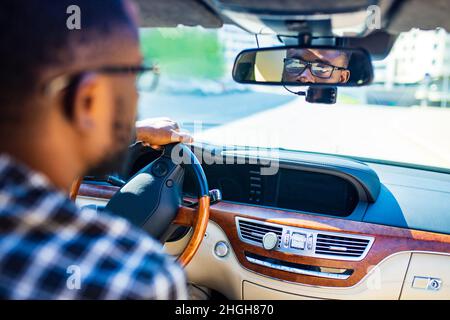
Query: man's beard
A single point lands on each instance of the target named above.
(123, 135)
(112, 163)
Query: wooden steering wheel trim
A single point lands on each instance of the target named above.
(199, 222)
(74, 189)
(197, 218)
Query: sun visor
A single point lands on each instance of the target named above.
(170, 13)
(425, 15)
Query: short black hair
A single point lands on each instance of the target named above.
(347, 57)
(34, 36)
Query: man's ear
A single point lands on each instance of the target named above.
(85, 113)
(345, 76)
(92, 115)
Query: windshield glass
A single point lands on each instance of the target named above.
(404, 116)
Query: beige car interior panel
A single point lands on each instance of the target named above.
(428, 277)
(251, 291)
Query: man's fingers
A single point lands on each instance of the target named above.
(175, 125)
(178, 136)
(161, 131)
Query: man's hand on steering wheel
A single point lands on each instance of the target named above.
(156, 132)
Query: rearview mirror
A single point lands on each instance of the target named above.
(304, 66)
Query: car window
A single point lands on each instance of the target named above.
(403, 116)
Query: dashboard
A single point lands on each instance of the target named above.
(320, 222)
(338, 187)
(304, 191)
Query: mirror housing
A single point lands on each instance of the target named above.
(304, 66)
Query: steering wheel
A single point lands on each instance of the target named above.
(151, 199)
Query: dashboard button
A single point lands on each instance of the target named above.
(298, 240)
(221, 249)
(159, 169)
(287, 237)
(310, 242)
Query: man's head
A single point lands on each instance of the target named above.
(53, 79)
(316, 66)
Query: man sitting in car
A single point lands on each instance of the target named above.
(67, 107)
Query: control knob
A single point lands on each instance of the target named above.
(270, 240)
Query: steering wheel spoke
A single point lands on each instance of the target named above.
(186, 216)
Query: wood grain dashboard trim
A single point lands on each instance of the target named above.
(388, 240)
(97, 191)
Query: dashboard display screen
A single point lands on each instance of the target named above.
(315, 192)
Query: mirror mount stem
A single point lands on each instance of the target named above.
(304, 39)
(341, 42)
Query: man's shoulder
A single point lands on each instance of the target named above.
(80, 253)
(51, 248)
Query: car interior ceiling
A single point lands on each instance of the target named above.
(402, 15)
(397, 16)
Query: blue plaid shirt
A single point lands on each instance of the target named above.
(51, 249)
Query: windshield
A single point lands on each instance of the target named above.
(404, 116)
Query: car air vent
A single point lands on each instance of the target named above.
(255, 189)
(341, 246)
(306, 242)
(254, 231)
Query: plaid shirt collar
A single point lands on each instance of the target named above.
(20, 173)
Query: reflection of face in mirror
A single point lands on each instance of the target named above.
(316, 66)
